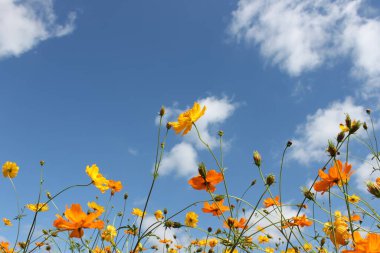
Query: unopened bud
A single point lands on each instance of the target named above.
(368, 111)
(355, 127)
(348, 121)
(289, 143)
(202, 170)
(125, 195)
(162, 111)
(374, 189)
(219, 198)
(48, 195)
(331, 149)
(323, 241)
(48, 248)
(209, 229)
(220, 133)
(168, 125)
(257, 158)
(340, 137)
(253, 182)
(177, 225)
(165, 211)
(270, 179)
(308, 194)
(218, 231)
(168, 224)
(42, 162)
(365, 126)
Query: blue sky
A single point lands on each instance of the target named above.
(82, 82)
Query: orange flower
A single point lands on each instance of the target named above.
(272, 202)
(115, 186)
(208, 183)
(215, 208)
(186, 119)
(371, 244)
(234, 223)
(4, 247)
(301, 221)
(337, 175)
(77, 220)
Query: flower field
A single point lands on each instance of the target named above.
(236, 225)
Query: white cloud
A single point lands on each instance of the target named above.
(133, 151)
(301, 35)
(312, 136)
(364, 172)
(24, 24)
(181, 160)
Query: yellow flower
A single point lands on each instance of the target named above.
(97, 178)
(138, 212)
(7, 222)
(95, 207)
(109, 233)
(308, 246)
(261, 229)
(229, 251)
(186, 119)
(171, 250)
(159, 215)
(191, 219)
(41, 207)
(10, 169)
(353, 199)
(262, 239)
(269, 250)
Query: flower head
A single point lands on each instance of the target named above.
(216, 208)
(206, 182)
(158, 214)
(353, 198)
(40, 207)
(300, 221)
(77, 220)
(262, 239)
(272, 202)
(191, 219)
(115, 186)
(7, 222)
(370, 244)
(138, 212)
(95, 207)
(97, 178)
(10, 169)
(109, 233)
(338, 174)
(186, 119)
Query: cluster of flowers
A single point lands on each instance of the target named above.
(236, 230)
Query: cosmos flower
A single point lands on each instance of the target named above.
(10, 169)
(272, 202)
(186, 119)
(208, 182)
(77, 220)
(97, 178)
(40, 207)
(338, 174)
(215, 208)
(191, 219)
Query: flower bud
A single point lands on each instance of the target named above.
(42, 162)
(368, 111)
(331, 149)
(365, 126)
(340, 137)
(219, 197)
(125, 195)
(162, 111)
(348, 121)
(253, 182)
(289, 143)
(209, 229)
(177, 225)
(374, 189)
(168, 224)
(220, 133)
(270, 179)
(168, 125)
(202, 170)
(355, 126)
(48, 195)
(307, 194)
(257, 158)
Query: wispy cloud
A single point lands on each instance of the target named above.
(302, 35)
(24, 24)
